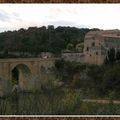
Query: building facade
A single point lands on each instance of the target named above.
(98, 43)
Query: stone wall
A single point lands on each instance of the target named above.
(97, 43)
(78, 57)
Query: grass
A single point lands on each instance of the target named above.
(51, 103)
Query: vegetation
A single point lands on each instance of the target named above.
(60, 90)
(63, 93)
(44, 39)
(98, 80)
(112, 56)
(61, 103)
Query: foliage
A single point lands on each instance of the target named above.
(70, 101)
(5, 87)
(118, 55)
(43, 39)
(111, 79)
(112, 56)
(98, 80)
(70, 46)
(66, 69)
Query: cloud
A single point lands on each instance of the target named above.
(16, 16)
(3, 29)
(66, 23)
(9, 16)
(4, 16)
(61, 23)
(90, 16)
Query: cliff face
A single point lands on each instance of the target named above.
(59, 1)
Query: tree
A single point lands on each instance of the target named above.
(43, 39)
(111, 79)
(111, 56)
(118, 55)
(70, 46)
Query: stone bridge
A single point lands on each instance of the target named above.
(23, 69)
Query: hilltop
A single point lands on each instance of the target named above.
(35, 40)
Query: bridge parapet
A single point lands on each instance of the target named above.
(27, 59)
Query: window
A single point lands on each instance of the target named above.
(93, 38)
(96, 53)
(93, 44)
(87, 48)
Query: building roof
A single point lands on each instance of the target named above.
(109, 36)
(104, 33)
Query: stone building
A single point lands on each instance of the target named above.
(73, 56)
(95, 48)
(97, 44)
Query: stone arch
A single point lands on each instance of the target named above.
(21, 75)
(27, 64)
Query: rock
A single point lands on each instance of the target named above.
(16, 89)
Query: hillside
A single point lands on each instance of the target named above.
(43, 39)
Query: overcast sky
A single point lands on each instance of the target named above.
(103, 16)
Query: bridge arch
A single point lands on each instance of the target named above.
(21, 75)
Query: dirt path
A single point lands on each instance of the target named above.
(100, 101)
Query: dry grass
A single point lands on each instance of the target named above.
(59, 1)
